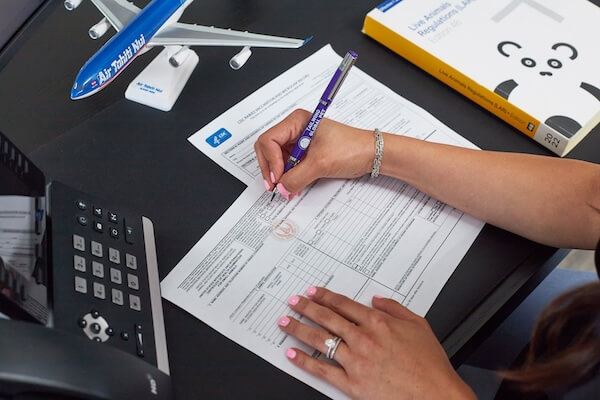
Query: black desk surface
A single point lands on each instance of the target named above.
(138, 156)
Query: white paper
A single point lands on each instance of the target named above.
(358, 237)
(18, 236)
(22, 229)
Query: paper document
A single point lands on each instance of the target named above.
(22, 229)
(20, 233)
(358, 237)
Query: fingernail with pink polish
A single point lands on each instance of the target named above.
(292, 301)
(283, 321)
(272, 177)
(267, 186)
(377, 296)
(283, 191)
(311, 291)
(290, 353)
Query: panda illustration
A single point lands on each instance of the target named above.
(567, 125)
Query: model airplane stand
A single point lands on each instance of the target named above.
(159, 84)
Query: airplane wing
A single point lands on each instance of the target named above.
(117, 12)
(198, 35)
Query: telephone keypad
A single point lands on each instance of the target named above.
(106, 291)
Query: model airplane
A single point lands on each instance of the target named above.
(156, 25)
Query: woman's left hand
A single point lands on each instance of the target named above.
(386, 352)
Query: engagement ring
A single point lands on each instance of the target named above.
(332, 345)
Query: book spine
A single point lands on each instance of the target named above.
(481, 95)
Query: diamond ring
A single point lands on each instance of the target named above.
(332, 345)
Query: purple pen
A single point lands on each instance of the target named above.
(305, 138)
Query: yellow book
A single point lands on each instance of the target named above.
(533, 63)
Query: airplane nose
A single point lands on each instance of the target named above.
(75, 93)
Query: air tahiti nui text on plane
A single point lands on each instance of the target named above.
(122, 60)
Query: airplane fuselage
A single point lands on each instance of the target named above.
(126, 45)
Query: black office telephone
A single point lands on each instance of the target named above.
(85, 271)
(43, 363)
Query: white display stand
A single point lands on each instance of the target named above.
(159, 84)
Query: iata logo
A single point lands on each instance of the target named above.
(218, 137)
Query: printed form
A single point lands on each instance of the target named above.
(358, 237)
(22, 229)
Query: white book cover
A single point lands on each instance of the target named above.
(541, 56)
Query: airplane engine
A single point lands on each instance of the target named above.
(240, 58)
(99, 29)
(179, 57)
(72, 4)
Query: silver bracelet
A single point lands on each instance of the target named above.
(378, 153)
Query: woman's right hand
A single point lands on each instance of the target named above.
(336, 151)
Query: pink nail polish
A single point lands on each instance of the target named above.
(292, 301)
(311, 291)
(377, 296)
(283, 321)
(283, 191)
(272, 177)
(290, 353)
(267, 186)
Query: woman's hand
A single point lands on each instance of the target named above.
(336, 151)
(387, 351)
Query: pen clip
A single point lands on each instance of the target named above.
(343, 69)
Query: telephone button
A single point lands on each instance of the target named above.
(99, 291)
(98, 226)
(139, 340)
(130, 261)
(114, 233)
(95, 328)
(129, 233)
(80, 285)
(112, 217)
(82, 205)
(97, 249)
(78, 243)
(79, 263)
(97, 212)
(98, 269)
(135, 302)
(117, 297)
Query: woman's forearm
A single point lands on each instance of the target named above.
(549, 200)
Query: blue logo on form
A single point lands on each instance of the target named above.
(218, 137)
